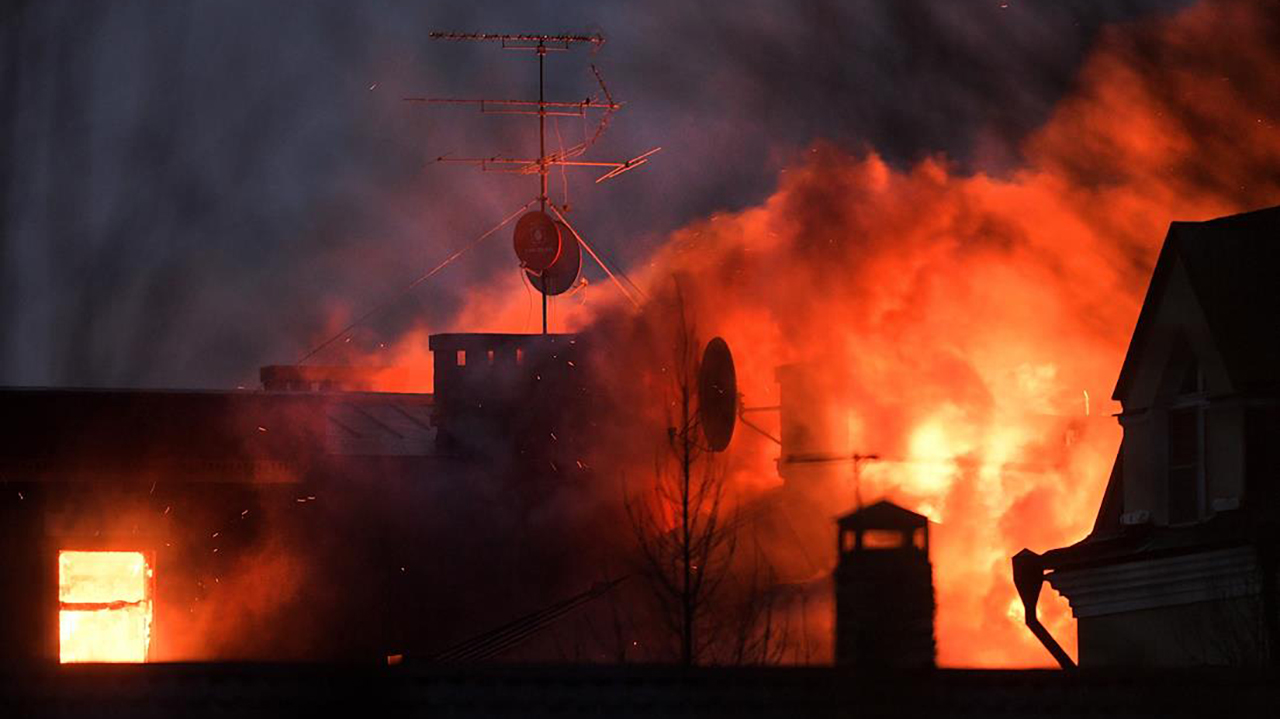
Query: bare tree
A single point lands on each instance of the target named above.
(686, 548)
(752, 618)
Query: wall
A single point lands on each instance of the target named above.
(1218, 633)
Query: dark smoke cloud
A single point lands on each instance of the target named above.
(193, 189)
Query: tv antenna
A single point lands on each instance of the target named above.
(540, 239)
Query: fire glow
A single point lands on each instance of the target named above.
(105, 606)
(975, 316)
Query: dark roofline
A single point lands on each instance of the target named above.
(1143, 542)
(1107, 524)
(410, 397)
(130, 390)
(1159, 277)
(881, 511)
(450, 341)
(1176, 241)
(506, 335)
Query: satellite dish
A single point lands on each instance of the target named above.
(537, 241)
(560, 276)
(717, 394)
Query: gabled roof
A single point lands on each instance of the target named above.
(1107, 524)
(1234, 267)
(882, 515)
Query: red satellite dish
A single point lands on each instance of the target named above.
(717, 394)
(537, 241)
(560, 276)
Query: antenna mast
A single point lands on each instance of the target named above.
(535, 230)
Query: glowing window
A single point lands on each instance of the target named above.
(104, 601)
(462, 358)
(881, 539)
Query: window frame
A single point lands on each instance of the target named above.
(1196, 403)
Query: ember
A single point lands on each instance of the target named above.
(105, 606)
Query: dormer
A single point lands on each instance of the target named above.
(1205, 356)
(1173, 573)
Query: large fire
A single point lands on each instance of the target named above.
(978, 321)
(105, 606)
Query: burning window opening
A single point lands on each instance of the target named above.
(882, 539)
(105, 607)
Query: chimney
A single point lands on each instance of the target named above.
(815, 433)
(499, 395)
(884, 589)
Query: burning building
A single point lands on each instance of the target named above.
(164, 525)
(1180, 567)
(882, 266)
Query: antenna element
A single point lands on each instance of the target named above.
(538, 238)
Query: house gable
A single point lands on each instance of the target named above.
(1177, 540)
(1231, 265)
(1206, 341)
(1175, 361)
(1173, 333)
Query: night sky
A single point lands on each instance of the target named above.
(194, 189)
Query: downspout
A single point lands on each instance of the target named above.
(1028, 577)
(1269, 566)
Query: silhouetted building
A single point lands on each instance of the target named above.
(884, 589)
(1181, 565)
(814, 432)
(503, 394)
(352, 503)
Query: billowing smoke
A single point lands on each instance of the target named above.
(977, 321)
(190, 191)
(974, 278)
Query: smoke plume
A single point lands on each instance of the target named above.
(977, 320)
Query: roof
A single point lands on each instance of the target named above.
(67, 434)
(1107, 523)
(1232, 263)
(381, 424)
(1111, 541)
(882, 515)
(1146, 541)
(110, 424)
(333, 377)
(446, 341)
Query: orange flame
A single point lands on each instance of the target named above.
(105, 606)
(974, 316)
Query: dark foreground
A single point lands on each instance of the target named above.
(191, 690)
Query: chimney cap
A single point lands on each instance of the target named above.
(883, 515)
